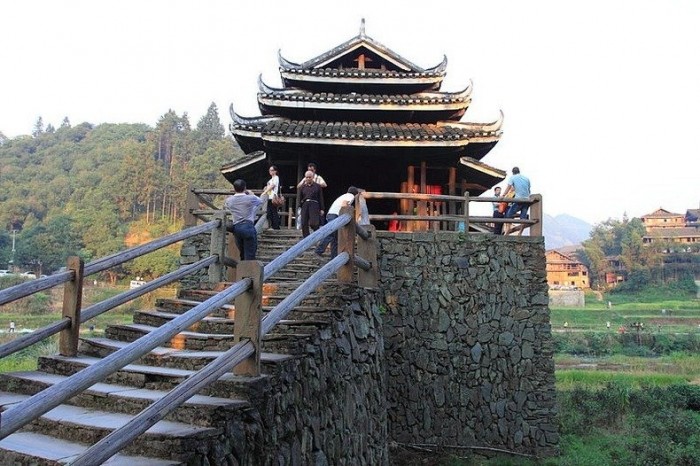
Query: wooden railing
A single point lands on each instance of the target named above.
(73, 279)
(432, 211)
(249, 324)
(440, 212)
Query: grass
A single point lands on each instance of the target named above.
(30, 314)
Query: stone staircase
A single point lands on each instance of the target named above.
(212, 427)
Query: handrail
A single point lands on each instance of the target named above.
(119, 438)
(28, 410)
(97, 309)
(25, 289)
(535, 201)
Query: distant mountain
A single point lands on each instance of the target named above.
(564, 230)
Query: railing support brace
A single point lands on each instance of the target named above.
(346, 243)
(248, 316)
(72, 302)
(218, 247)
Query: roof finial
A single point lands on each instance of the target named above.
(362, 28)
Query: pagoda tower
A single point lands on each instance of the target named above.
(370, 118)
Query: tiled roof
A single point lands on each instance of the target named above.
(679, 232)
(661, 213)
(444, 133)
(367, 73)
(428, 98)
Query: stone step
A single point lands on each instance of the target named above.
(156, 318)
(308, 317)
(30, 448)
(302, 312)
(165, 439)
(166, 378)
(199, 410)
(195, 341)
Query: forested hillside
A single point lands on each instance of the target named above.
(86, 189)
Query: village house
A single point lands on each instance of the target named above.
(565, 271)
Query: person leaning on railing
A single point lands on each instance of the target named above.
(243, 205)
(520, 184)
(333, 212)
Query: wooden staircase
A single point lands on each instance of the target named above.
(191, 434)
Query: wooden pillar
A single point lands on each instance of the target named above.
(423, 205)
(248, 316)
(466, 211)
(452, 190)
(410, 189)
(536, 214)
(346, 243)
(72, 302)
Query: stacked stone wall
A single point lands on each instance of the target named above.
(328, 407)
(468, 343)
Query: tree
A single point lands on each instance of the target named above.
(38, 127)
(209, 129)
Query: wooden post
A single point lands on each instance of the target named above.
(452, 190)
(346, 243)
(466, 211)
(232, 252)
(72, 302)
(423, 205)
(536, 214)
(248, 316)
(218, 247)
(410, 185)
(367, 249)
(192, 203)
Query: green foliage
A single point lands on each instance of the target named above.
(76, 190)
(642, 264)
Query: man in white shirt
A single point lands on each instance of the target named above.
(333, 212)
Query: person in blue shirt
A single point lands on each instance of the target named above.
(520, 184)
(243, 206)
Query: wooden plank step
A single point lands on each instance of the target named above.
(30, 448)
(199, 410)
(165, 439)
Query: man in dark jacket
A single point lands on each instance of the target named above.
(311, 199)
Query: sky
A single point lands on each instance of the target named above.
(601, 98)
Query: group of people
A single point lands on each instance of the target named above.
(518, 187)
(244, 204)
